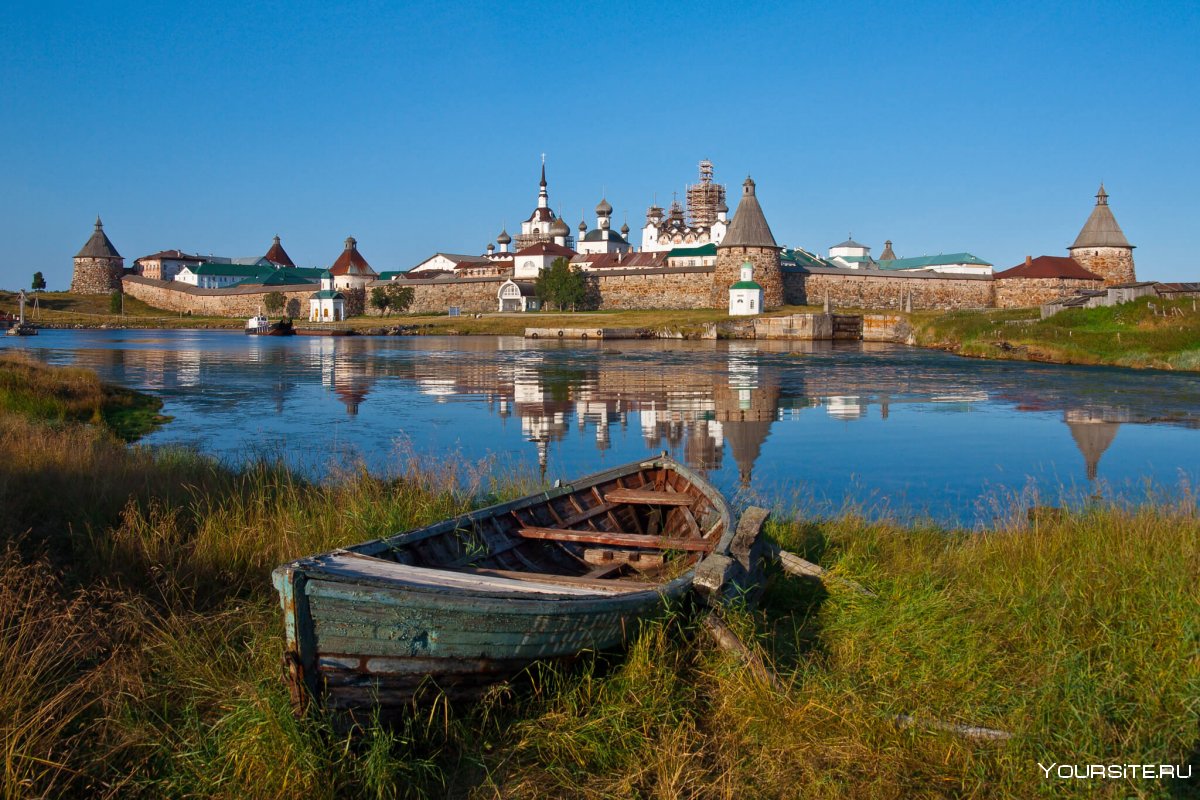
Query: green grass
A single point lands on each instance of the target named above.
(36, 391)
(1149, 333)
(140, 648)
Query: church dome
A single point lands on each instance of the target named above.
(559, 228)
(603, 209)
(503, 238)
(625, 229)
(582, 226)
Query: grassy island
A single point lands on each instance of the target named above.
(1147, 333)
(140, 648)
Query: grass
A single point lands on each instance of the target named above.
(34, 390)
(67, 310)
(1147, 333)
(140, 644)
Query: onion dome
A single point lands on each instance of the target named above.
(722, 208)
(503, 238)
(559, 228)
(582, 226)
(603, 209)
(625, 229)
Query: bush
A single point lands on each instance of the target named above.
(356, 301)
(274, 302)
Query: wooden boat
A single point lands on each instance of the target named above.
(470, 601)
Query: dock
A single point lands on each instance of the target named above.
(588, 333)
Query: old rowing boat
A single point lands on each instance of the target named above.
(470, 601)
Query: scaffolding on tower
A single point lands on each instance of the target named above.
(704, 197)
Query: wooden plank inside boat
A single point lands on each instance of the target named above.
(617, 538)
(647, 497)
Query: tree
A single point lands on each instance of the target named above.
(274, 301)
(114, 302)
(561, 286)
(400, 297)
(293, 308)
(356, 301)
(39, 283)
(380, 299)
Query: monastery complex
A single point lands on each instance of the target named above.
(694, 254)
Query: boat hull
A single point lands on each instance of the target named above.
(444, 609)
(384, 647)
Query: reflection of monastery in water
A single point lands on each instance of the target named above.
(708, 403)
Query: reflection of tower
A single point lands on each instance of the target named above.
(1092, 437)
(746, 406)
(349, 385)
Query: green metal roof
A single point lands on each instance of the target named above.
(387, 276)
(228, 270)
(940, 260)
(277, 277)
(802, 258)
(327, 294)
(709, 249)
(745, 285)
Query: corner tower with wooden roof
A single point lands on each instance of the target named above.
(748, 240)
(98, 265)
(277, 255)
(1101, 247)
(351, 270)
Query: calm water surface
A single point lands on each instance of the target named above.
(888, 426)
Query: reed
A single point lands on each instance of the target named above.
(140, 645)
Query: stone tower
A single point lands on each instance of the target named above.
(1101, 247)
(98, 266)
(748, 239)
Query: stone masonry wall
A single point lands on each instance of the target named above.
(175, 296)
(684, 287)
(766, 273)
(879, 289)
(97, 275)
(1025, 292)
(1114, 264)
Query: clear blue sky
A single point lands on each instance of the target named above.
(942, 126)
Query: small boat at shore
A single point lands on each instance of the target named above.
(259, 325)
(471, 601)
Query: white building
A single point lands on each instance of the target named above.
(745, 296)
(851, 254)
(603, 239)
(218, 276)
(327, 305)
(166, 264)
(514, 296)
(529, 262)
(704, 222)
(543, 226)
(448, 262)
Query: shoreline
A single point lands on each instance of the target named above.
(1159, 335)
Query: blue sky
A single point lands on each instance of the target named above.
(942, 126)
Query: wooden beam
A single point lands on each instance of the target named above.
(615, 585)
(584, 516)
(617, 539)
(642, 497)
(638, 559)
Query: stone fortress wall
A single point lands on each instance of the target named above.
(96, 275)
(677, 287)
(872, 288)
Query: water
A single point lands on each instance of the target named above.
(894, 428)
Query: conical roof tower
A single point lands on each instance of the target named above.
(1101, 246)
(748, 239)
